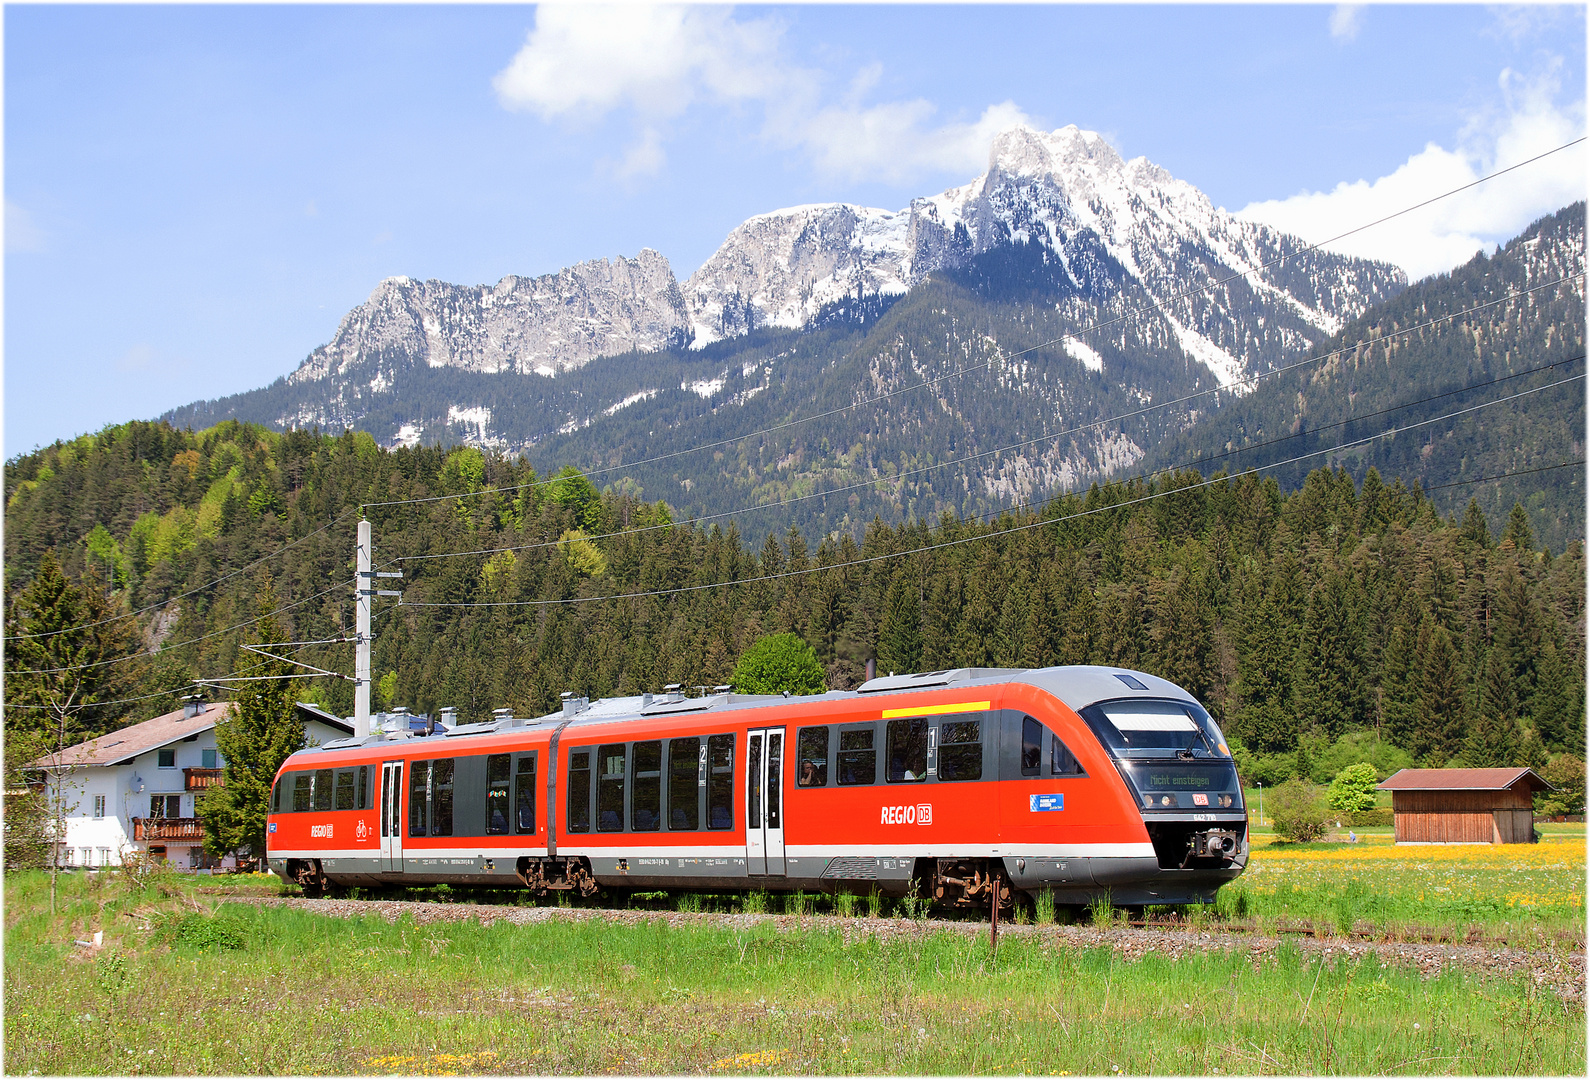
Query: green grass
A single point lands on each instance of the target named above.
(274, 990)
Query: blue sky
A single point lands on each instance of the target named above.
(196, 195)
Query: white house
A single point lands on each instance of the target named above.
(135, 789)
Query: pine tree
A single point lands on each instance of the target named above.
(259, 733)
(1264, 718)
(1475, 529)
(900, 635)
(1443, 712)
(1518, 532)
(1329, 694)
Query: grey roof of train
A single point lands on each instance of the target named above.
(1078, 686)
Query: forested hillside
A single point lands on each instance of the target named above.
(1495, 327)
(1334, 622)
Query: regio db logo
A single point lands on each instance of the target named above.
(320, 830)
(920, 814)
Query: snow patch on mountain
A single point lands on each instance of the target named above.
(633, 399)
(1089, 357)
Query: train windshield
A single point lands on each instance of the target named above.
(1156, 729)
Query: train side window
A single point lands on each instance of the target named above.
(442, 797)
(720, 781)
(610, 789)
(684, 800)
(303, 783)
(524, 794)
(961, 750)
(1062, 762)
(276, 795)
(907, 740)
(858, 757)
(364, 787)
(579, 813)
(419, 792)
(811, 752)
(1031, 746)
(345, 792)
(646, 797)
(498, 777)
(322, 789)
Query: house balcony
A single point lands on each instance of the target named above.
(199, 779)
(168, 830)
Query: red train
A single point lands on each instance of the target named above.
(1089, 781)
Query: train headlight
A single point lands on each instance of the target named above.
(1225, 800)
(1167, 800)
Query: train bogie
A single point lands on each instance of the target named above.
(956, 786)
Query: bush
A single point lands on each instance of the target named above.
(207, 932)
(1363, 819)
(777, 663)
(1298, 812)
(1354, 788)
(1565, 772)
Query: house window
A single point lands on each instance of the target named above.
(165, 806)
(104, 856)
(99, 806)
(210, 758)
(167, 758)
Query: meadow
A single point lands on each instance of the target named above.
(190, 981)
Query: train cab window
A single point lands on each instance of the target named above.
(858, 758)
(1062, 762)
(442, 797)
(1031, 746)
(811, 752)
(419, 791)
(303, 783)
(364, 787)
(498, 778)
(346, 796)
(961, 750)
(579, 818)
(907, 741)
(276, 795)
(684, 800)
(322, 789)
(720, 782)
(524, 795)
(646, 798)
(610, 789)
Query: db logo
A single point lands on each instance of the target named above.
(920, 814)
(361, 830)
(320, 830)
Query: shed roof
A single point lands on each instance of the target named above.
(1463, 780)
(115, 747)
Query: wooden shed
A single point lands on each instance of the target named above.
(1464, 806)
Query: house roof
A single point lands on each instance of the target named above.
(1463, 780)
(115, 747)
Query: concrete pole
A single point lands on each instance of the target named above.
(361, 659)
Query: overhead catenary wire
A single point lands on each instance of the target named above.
(1504, 475)
(196, 589)
(865, 560)
(1076, 335)
(1091, 425)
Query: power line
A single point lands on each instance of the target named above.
(983, 536)
(1092, 425)
(190, 641)
(1502, 475)
(1152, 305)
(181, 596)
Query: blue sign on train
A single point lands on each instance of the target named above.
(1046, 802)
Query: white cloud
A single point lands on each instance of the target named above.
(1346, 19)
(1447, 233)
(586, 61)
(23, 234)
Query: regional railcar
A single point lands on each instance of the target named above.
(959, 785)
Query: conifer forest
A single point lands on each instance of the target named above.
(1341, 621)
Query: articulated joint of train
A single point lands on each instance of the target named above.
(542, 876)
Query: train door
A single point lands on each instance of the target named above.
(764, 802)
(392, 817)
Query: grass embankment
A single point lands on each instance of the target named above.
(246, 989)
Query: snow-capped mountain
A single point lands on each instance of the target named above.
(522, 325)
(1110, 223)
